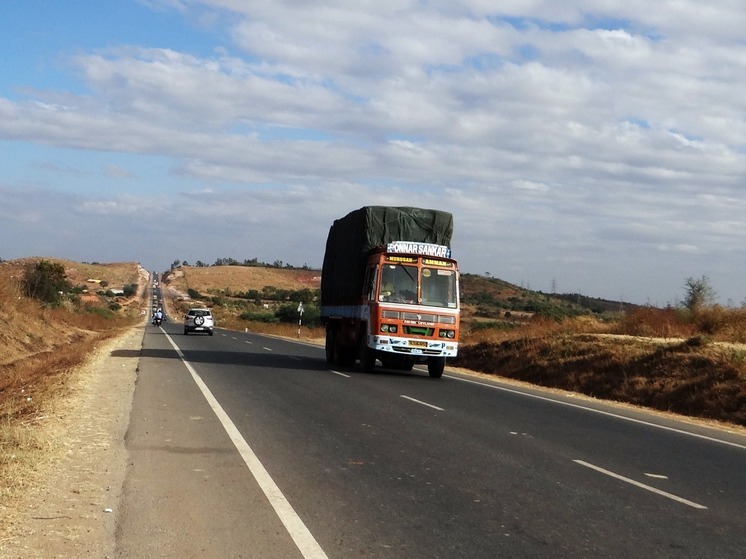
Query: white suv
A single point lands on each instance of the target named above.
(198, 320)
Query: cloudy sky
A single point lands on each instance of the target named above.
(591, 146)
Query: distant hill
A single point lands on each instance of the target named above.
(490, 296)
(114, 275)
(212, 280)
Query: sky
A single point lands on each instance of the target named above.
(583, 146)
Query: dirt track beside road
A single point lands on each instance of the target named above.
(71, 511)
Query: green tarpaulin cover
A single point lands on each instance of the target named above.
(352, 238)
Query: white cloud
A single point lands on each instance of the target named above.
(580, 140)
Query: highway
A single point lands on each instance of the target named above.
(243, 445)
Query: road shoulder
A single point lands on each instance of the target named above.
(72, 511)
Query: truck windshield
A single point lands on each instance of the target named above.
(439, 288)
(398, 284)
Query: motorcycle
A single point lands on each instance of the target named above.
(157, 321)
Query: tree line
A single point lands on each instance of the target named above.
(253, 262)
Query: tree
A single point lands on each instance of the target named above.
(45, 281)
(698, 294)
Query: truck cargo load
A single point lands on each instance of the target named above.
(352, 238)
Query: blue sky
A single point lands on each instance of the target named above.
(590, 147)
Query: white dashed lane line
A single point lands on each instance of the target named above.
(421, 402)
(642, 485)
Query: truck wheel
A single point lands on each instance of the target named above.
(346, 355)
(329, 346)
(368, 359)
(436, 366)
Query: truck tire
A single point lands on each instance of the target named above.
(346, 355)
(436, 366)
(368, 359)
(329, 346)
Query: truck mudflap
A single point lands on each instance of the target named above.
(415, 348)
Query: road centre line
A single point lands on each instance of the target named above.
(267, 348)
(600, 412)
(642, 485)
(304, 540)
(421, 402)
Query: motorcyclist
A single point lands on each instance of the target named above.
(158, 317)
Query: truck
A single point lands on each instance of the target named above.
(390, 289)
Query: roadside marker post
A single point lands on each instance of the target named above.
(300, 317)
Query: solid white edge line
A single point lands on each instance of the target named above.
(642, 485)
(601, 412)
(304, 540)
(421, 402)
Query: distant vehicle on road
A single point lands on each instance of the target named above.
(199, 320)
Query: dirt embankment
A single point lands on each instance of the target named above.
(64, 404)
(694, 377)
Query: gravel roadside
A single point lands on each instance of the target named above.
(71, 512)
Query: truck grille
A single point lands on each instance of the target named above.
(419, 317)
(419, 330)
(431, 318)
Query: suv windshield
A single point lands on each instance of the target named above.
(198, 312)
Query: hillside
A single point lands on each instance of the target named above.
(239, 279)
(31, 329)
(482, 297)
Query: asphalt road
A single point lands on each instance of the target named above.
(249, 446)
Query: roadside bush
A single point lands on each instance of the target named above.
(289, 314)
(100, 311)
(45, 281)
(254, 316)
(652, 322)
(194, 294)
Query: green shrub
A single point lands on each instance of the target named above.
(289, 314)
(45, 281)
(259, 317)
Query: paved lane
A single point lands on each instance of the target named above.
(400, 465)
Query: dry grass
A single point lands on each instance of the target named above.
(659, 359)
(212, 279)
(41, 346)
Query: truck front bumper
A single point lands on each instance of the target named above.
(414, 347)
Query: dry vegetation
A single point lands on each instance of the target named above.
(41, 345)
(212, 279)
